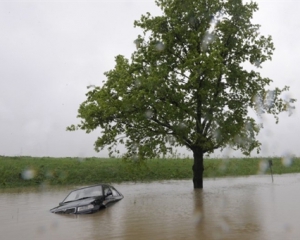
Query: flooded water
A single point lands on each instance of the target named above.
(231, 208)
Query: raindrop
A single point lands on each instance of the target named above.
(54, 225)
(217, 135)
(288, 101)
(198, 217)
(263, 166)
(258, 105)
(224, 225)
(249, 126)
(287, 97)
(269, 99)
(208, 39)
(135, 147)
(63, 175)
(223, 165)
(240, 140)
(193, 21)
(171, 140)
(41, 229)
(49, 174)
(135, 158)
(287, 160)
(182, 125)
(137, 83)
(138, 43)
(43, 186)
(290, 109)
(215, 20)
(257, 63)
(149, 114)
(28, 174)
(159, 46)
(80, 159)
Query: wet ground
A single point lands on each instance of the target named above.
(230, 208)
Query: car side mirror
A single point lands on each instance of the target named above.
(61, 203)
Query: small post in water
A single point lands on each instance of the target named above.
(270, 166)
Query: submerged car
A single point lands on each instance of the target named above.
(88, 199)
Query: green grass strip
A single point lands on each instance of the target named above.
(34, 171)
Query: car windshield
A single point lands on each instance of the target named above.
(84, 193)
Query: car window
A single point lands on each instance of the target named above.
(107, 191)
(115, 192)
(85, 192)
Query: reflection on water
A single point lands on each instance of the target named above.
(231, 208)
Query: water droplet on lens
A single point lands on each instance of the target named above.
(135, 158)
(41, 229)
(54, 225)
(257, 63)
(262, 167)
(269, 99)
(287, 160)
(208, 38)
(49, 174)
(149, 114)
(135, 146)
(28, 174)
(223, 165)
(198, 217)
(137, 83)
(137, 43)
(43, 186)
(171, 140)
(160, 46)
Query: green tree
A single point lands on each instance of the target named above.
(186, 84)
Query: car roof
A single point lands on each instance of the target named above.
(101, 184)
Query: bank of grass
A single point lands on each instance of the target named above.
(34, 171)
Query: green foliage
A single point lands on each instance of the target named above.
(74, 171)
(186, 84)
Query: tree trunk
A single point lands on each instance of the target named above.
(198, 168)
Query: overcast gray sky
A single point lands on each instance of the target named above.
(50, 51)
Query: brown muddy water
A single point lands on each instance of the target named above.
(228, 208)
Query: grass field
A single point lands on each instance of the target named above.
(34, 171)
